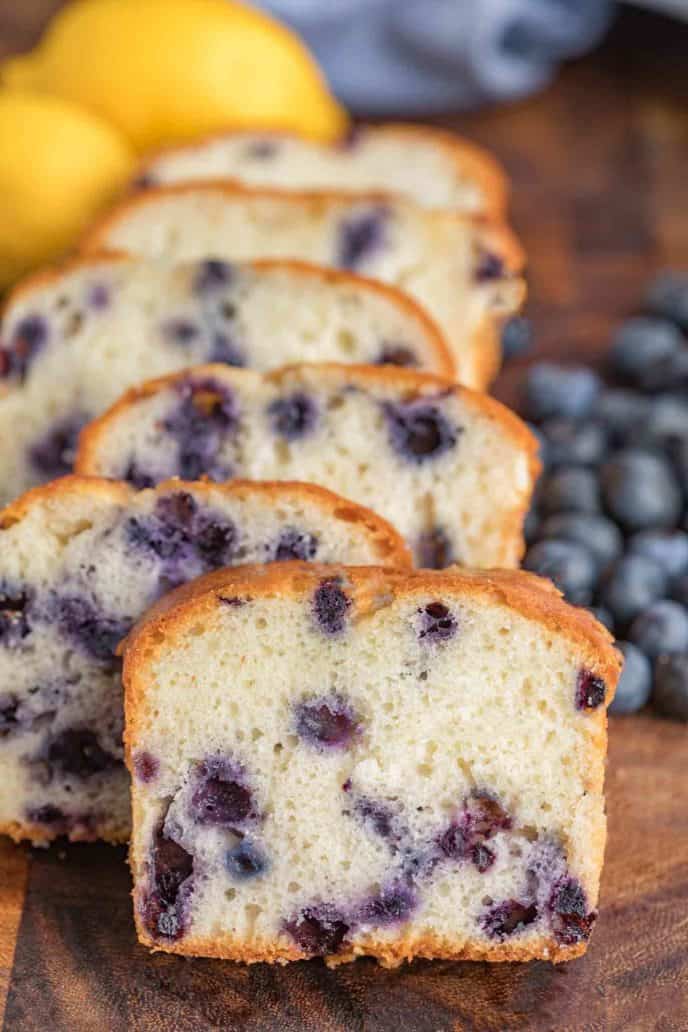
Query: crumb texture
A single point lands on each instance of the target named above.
(80, 561)
(451, 470)
(421, 782)
(73, 342)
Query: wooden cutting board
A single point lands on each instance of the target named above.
(601, 200)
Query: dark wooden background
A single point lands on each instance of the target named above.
(600, 169)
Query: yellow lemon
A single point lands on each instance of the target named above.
(166, 71)
(59, 166)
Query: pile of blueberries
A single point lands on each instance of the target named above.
(609, 523)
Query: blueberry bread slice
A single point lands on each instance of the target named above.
(73, 340)
(463, 270)
(432, 167)
(80, 561)
(426, 781)
(451, 469)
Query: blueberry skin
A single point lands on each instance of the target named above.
(635, 683)
(665, 425)
(572, 489)
(632, 584)
(621, 411)
(569, 564)
(593, 530)
(667, 297)
(640, 344)
(554, 390)
(670, 692)
(603, 616)
(574, 444)
(679, 589)
(661, 628)
(669, 548)
(517, 338)
(640, 490)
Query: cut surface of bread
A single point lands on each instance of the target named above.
(432, 167)
(426, 780)
(465, 272)
(451, 469)
(80, 561)
(73, 340)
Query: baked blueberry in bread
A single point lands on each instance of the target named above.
(73, 340)
(451, 469)
(432, 167)
(80, 561)
(465, 271)
(425, 781)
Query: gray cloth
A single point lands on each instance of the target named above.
(419, 56)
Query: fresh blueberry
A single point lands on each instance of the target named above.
(670, 373)
(436, 622)
(598, 534)
(434, 550)
(560, 391)
(569, 915)
(669, 548)
(398, 355)
(517, 338)
(488, 266)
(569, 564)
(77, 752)
(97, 633)
(245, 861)
(318, 930)
(590, 690)
(542, 443)
(574, 444)
(392, 905)
(670, 691)
(508, 918)
(635, 684)
(667, 297)
(29, 337)
(296, 544)
(419, 430)
(604, 617)
(571, 489)
(293, 417)
(14, 614)
(632, 584)
(221, 796)
(212, 274)
(640, 344)
(640, 490)
(360, 236)
(146, 766)
(331, 605)
(679, 589)
(531, 527)
(328, 722)
(666, 425)
(621, 411)
(661, 628)
(53, 454)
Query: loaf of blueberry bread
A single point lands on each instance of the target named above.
(464, 271)
(426, 780)
(432, 167)
(453, 470)
(80, 561)
(73, 340)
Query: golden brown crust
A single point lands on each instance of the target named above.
(108, 490)
(50, 275)
(371, 589)
(472, 162)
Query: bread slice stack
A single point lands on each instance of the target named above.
(332, 754)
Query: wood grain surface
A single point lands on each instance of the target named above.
(599, 164)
